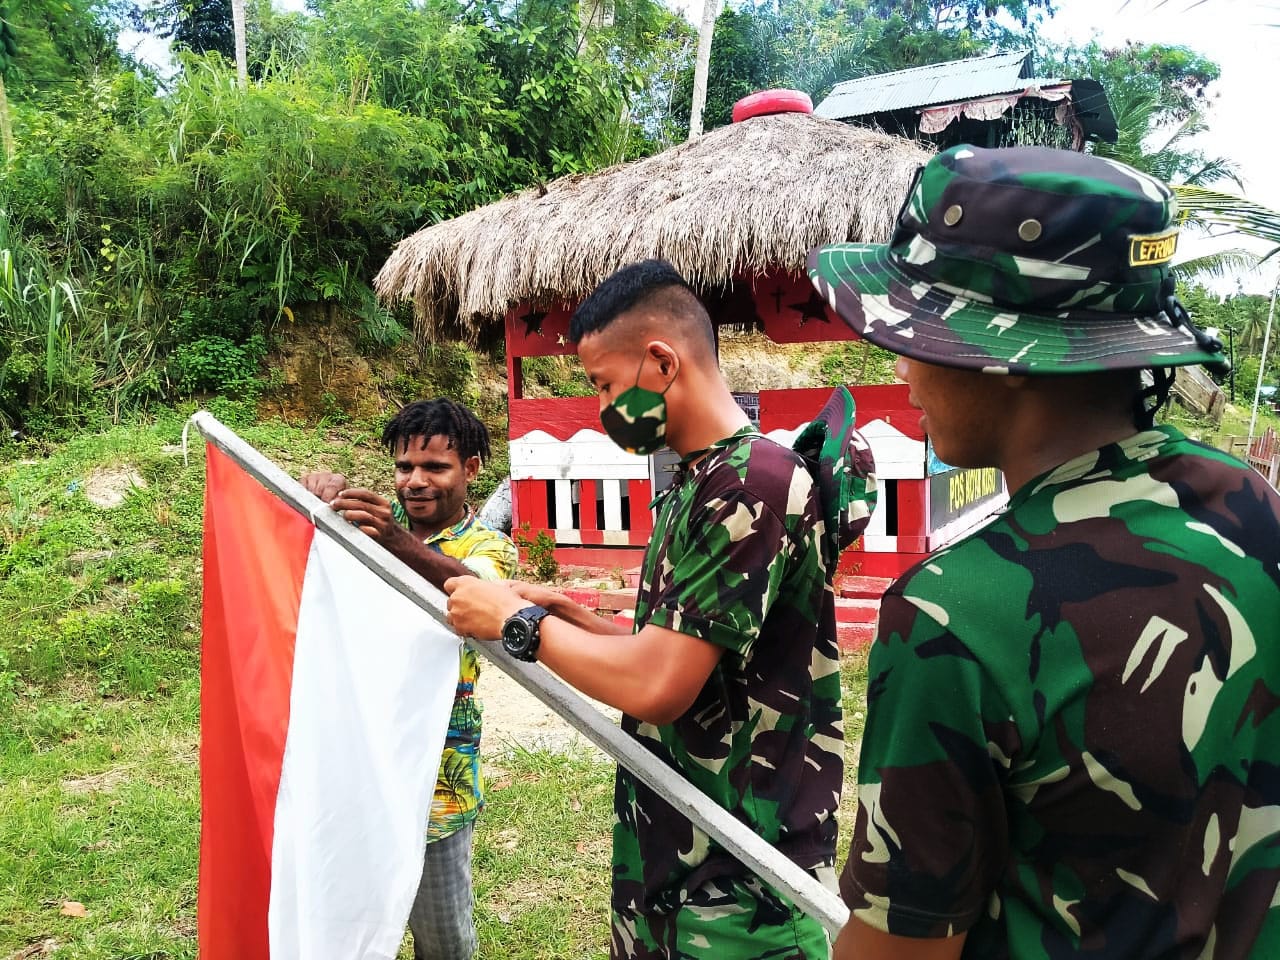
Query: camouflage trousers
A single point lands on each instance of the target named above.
(727, 919)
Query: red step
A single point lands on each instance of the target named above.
(582, 596)
(857, 611)
(850, 637)
(854, 636)
(855, 617)
(863, 588)
(621, 599)
(848, 610)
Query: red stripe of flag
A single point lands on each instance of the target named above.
(255, 556)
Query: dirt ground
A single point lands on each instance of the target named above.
(514, 718)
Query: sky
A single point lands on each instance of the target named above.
(1242, 36)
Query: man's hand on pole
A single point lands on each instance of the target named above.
(478, 608)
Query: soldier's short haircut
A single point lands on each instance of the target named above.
(439, 417)
(654, 284)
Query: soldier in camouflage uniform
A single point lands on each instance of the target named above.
(1073, 744)
(732, 674)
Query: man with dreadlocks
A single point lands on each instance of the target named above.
(438, 447)
(1072, 744)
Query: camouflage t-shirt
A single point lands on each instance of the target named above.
(735, 561)
(1072, 745)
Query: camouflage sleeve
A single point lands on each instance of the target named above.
(723, 587)
(931, 837)
(491, 558)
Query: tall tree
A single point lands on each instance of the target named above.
(710, 10)
(8, 51)
(57, 41)
(1175, 78)
(201, 26)
(813, 44)
(1158, 94)
(242, 53)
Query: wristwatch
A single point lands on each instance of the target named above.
(520, 636)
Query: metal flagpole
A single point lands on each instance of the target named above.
(1262, 364)
(736, 837)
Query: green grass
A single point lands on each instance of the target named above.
(99, 695)
(1234, 422)
(541, 861)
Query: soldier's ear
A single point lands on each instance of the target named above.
(667, 359)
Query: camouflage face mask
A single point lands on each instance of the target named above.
(636, 420)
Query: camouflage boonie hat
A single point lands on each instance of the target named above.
(1022, 260)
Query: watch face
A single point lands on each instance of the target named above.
(520, 633)
(517, 632)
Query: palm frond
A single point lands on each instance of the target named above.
(1214, 171)
(1216, 266)
(1193, 124)
(1208, 207)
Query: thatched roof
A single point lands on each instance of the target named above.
(742, 199)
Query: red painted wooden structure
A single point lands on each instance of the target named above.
(1264, 456)
(570, 480)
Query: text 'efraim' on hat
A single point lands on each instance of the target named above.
(1022, 260)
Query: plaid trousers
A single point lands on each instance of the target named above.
(441, 916)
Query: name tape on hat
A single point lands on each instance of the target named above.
(1153, 249)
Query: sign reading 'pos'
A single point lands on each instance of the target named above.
(955, 493)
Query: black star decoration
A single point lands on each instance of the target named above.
(533, 322)
(815, 308)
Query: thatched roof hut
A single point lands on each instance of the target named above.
(738, 201)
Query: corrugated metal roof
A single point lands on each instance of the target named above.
(928, 85)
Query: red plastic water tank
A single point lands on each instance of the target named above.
(766, 102)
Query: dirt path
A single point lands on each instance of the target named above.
(514, 717)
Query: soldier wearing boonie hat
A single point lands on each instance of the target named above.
(1073, 723)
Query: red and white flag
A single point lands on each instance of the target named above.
(325, 699)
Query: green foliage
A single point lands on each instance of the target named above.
(55, 353)
(859, 363)
(1203, 206)
(214, 363)
(1168, 153)
(262, 198)
(1033, 124)
(153, 240)
(813, 44)
(557, 376)
(201, 26)
(442, 370)
(8, 42)
(540, 553)
(1241, 324)
(1175, 79)
(747, 55)
(46, 43)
